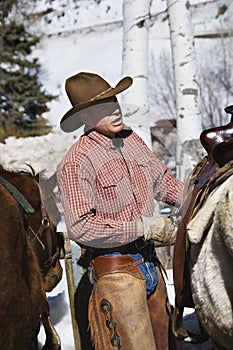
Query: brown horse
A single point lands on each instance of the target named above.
(30, 261)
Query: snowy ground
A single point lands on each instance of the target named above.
(60, 314)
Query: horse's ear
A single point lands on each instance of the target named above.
(48, 185)
(32, 170)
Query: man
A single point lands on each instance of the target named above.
(108, 181)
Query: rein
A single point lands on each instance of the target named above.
(17, 195)
(28, 209)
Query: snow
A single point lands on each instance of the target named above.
(60, 314)
(75, 38)
(42, 153)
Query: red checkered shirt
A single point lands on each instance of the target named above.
(106, 184)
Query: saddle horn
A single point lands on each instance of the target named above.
(229, 109)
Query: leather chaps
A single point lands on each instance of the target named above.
(120, 316)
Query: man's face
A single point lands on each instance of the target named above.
(105, 117)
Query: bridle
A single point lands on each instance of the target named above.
(44, 227)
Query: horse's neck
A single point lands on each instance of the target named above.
(11, 176)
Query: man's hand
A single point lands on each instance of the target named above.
(160, 229)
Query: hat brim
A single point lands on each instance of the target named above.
(71, 120)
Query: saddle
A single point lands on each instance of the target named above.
(208, 174)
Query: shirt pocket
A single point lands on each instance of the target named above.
(143, 171)
(114, 192)
(110, 178)
(143, 162)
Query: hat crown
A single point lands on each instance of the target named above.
(84, 87)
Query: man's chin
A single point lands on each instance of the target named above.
(118, 128)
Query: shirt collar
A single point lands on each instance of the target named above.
(101, 139)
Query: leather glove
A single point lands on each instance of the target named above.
(160, 229)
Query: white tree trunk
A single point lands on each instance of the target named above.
(135, 64)
(189, 124)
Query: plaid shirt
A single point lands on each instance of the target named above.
(106, 184)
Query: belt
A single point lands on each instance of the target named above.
(140, 246)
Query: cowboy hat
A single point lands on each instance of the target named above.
(84, 90)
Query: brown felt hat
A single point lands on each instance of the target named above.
(84, 90)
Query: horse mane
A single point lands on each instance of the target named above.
(46, 184)
(30, 173)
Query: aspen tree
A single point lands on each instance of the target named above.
(189, 124)
(135, 64)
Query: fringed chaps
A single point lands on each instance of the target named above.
(161, 316)
(118, 311)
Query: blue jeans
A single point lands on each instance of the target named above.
(147, 268)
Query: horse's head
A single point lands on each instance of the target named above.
(46, 241)
(51, 266)
(41, 224)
